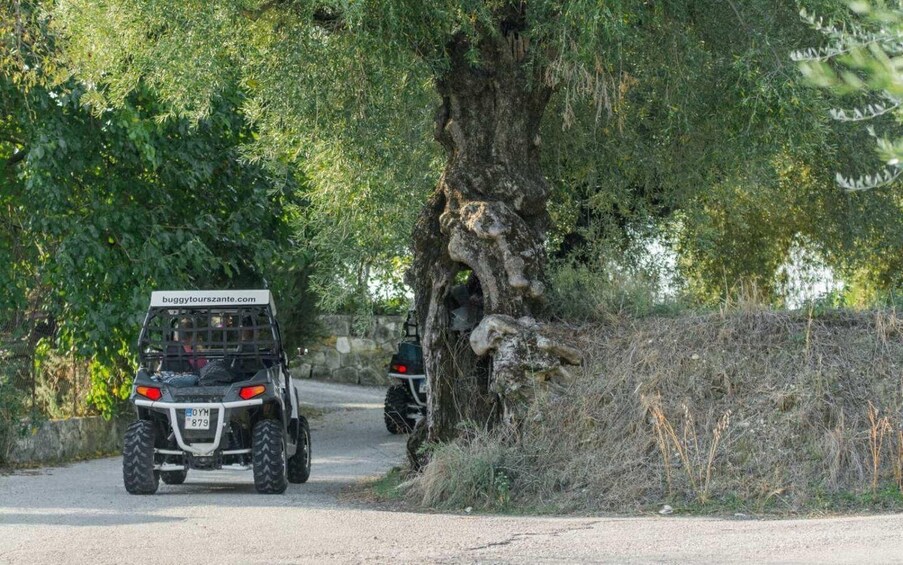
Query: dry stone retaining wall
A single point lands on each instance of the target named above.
(342, 357)
(58, 441)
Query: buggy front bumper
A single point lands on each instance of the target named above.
(200, 449)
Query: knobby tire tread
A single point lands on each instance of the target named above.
(268, 454)
(398, 397)
(138, 459)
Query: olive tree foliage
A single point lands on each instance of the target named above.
(348, 111)
(99, 208)
(857, 58)
(861, 59)
(720, 148)
(697, 148)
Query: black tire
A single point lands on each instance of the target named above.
(174, 477)
(268, 455)
(138, 458)
(299, 463)
(397, 408)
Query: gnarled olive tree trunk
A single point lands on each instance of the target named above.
(488, 216)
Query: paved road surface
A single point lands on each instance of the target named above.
(82, 514)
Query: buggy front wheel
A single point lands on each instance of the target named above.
(396, 410)
(268, 457)
(138, 472)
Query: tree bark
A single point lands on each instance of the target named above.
(488, 216)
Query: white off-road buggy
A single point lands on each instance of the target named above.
(213, 391)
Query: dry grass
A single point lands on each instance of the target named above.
(696, 462)
(753, 409)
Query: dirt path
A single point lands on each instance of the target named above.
(81, 514)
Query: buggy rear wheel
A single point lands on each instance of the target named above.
(138, 472)
(396, 409)
(268, 457)
(299, 463)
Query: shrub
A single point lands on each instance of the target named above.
(475, 473)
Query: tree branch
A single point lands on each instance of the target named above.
(777, 58)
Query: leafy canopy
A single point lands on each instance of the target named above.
(100, 208)
(342, 91)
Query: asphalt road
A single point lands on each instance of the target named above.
(82, 514)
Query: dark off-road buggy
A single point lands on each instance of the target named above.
(406, 397)
(213, 392)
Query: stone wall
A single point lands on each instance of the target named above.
(342, 357)
(59, 441)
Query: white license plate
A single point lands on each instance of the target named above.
(197, 418)
(423, 387)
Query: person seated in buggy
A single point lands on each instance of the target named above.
(216, 348)
(185, 356)
(245, 349)
(248, 358)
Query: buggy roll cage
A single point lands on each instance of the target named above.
(190, 325)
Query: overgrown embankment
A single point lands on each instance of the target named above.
(750, 411)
